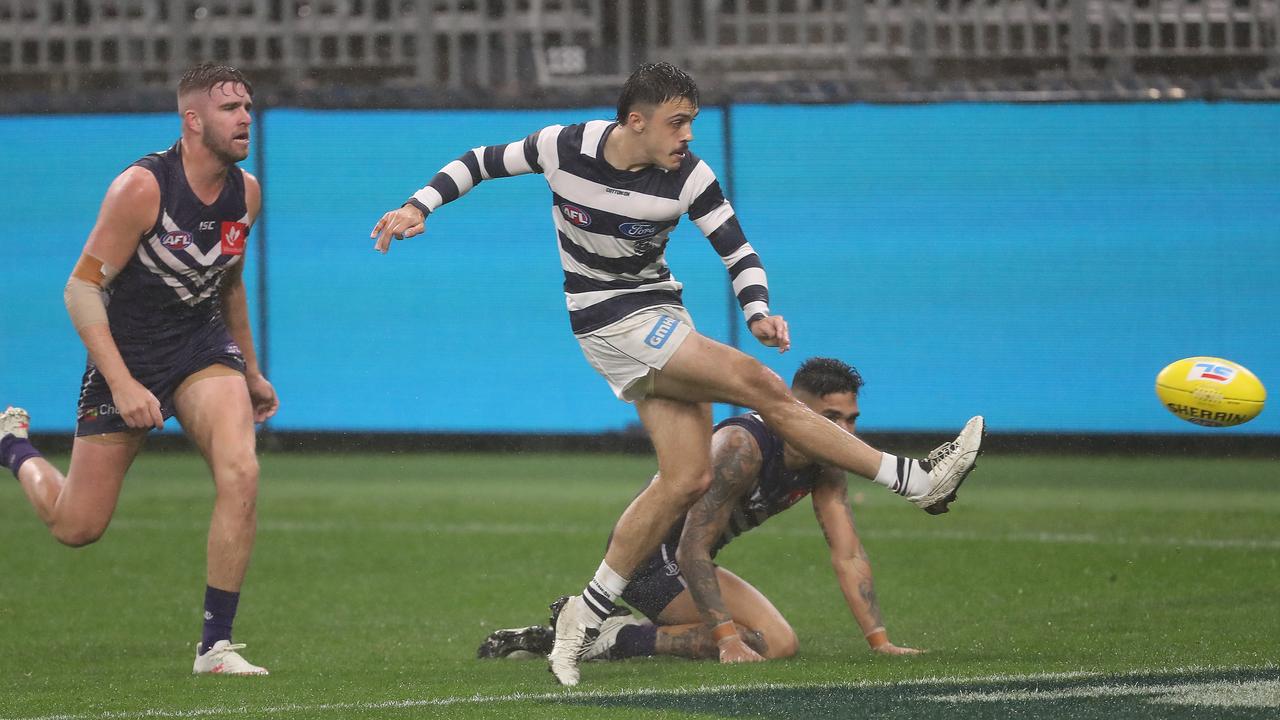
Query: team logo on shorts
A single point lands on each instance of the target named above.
(575, 215)
(98, 411)
(176, 239)
(1211, 371)
(233, 237)
(671, 568)
(661, 331)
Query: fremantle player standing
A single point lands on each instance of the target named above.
(158, 300)
(618, 189)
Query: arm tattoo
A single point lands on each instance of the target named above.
(867, 590)
(696, 643)
(693, 642)
(736, 459)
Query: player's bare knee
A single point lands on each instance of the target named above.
(781, 642)
(76, 535)
(691, 486)
(759, 387)
(237, 480)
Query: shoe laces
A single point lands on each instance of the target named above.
(943, 450)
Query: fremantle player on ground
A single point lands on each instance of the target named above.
(684, 592)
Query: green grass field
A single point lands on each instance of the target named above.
(1081, 587)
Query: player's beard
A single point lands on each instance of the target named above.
(226, 151)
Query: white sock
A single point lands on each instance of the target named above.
(609, 581)
(603, 590)
(903, 476)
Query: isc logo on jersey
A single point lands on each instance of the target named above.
(1211, 391)
(575, 215)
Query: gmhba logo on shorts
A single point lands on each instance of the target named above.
(661, 331)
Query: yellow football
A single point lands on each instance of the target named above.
(1211, 391)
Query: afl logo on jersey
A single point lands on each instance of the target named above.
(233, 237)
(575, 215)
(176, 240)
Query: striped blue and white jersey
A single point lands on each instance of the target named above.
(612, 225)
(171, 284)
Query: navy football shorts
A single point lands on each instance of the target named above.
(656, 583)
(161, 367)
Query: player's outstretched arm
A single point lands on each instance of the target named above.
(715, 217)
(736, 462)
(850, 561)
(458, 177)
(128, 212)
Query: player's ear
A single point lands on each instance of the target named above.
(191, 121)
(636, 120)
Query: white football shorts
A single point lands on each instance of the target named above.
(629, 352)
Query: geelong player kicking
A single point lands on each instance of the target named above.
(682, 590)
(618, 189)
(167, 253)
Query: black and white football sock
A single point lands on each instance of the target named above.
(605, 588)
(904, 476)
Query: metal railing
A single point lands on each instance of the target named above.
(514, 48)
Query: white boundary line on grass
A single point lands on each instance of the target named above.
(322, 708)
(1048, 538)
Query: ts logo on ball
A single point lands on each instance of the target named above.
(1211, 371)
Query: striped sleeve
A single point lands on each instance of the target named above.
(478, 164)
(714, 216)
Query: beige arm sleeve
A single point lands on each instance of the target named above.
(85, 292)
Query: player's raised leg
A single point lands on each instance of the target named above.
(214, 408)
(77, 507)
(681, 436)
(703, 370)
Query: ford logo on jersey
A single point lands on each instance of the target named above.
(638, 229)
(176, 239)
(661, 331)
(575, 215)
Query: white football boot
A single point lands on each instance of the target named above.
(602, 647)
(223, 659)
(14, 421)
(576, 629)
(949, 464)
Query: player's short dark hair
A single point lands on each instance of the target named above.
(654, 84)
(823, 376)
(206, 76)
